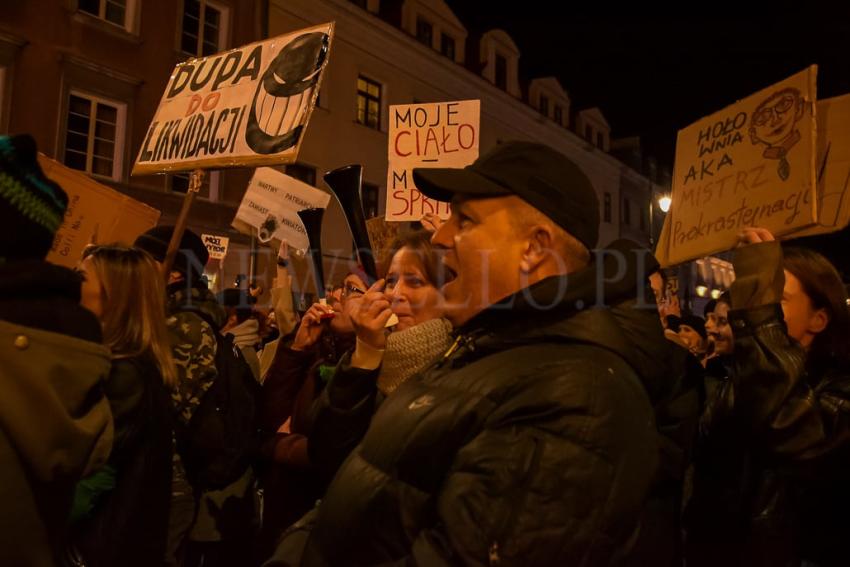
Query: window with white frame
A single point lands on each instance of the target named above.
(204, 28)
(94, 135)
(119, 12)
(209, 185)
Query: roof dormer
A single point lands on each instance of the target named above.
(592, 126)
(434, 24)
(499, 56)
(548, 96)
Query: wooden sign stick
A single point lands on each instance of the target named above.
(195, 182)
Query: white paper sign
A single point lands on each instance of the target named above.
(244, 107)
(442, 134)
(216, 245)
(271, 204)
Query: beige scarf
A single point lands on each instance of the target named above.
(411, 351)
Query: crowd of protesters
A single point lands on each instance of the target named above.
(507, 393)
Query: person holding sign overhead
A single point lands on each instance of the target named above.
(774, 448)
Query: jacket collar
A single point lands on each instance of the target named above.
(37, 278)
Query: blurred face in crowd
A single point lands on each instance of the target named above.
(412, 297)
(91, 293)
(342, 301)
(804, 322)
(719, 330)
(694, 341)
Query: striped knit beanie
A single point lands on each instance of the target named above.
(31, 206)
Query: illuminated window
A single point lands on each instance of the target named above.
(368, 103)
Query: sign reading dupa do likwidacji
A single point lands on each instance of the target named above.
(240, 108)
(750, 164)
(440, 134)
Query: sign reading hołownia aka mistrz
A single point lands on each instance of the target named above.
(241, 108)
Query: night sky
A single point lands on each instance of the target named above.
(655, 70)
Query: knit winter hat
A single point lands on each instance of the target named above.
(192, 255)
(32, 206)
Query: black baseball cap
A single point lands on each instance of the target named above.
(696, 323)
(541, 176)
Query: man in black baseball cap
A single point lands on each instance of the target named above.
(531, 440)
(521, 213)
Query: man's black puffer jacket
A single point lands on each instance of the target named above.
(531, 442)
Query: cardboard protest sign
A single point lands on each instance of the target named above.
(96, 214)
(381, 235)
(216, 245)
(444, 134)
(244, 107)
(751, 164)
(833, 167)
(271, 204)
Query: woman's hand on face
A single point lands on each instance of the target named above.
(311, 327)
(754, 235)
(370, 314)
(431, 222)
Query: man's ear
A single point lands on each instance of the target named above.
(537, 248)
(818, 321)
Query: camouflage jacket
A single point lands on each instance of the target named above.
(193, 344)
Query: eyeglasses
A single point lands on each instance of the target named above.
(350, 290)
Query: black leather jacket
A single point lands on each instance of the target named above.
(771, 469)
(531, 443)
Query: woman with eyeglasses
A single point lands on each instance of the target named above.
(120, 514)
(296, 377)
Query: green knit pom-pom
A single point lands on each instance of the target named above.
(326, 372)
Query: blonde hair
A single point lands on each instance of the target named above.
(133, 296)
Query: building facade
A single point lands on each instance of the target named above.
(84, 77)
(388, 52)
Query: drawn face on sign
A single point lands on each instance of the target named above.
(284, 94)
(774, 125)
(774, 119)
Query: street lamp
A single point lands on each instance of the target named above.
(664, 205)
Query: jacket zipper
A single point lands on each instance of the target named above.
(518, 500)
